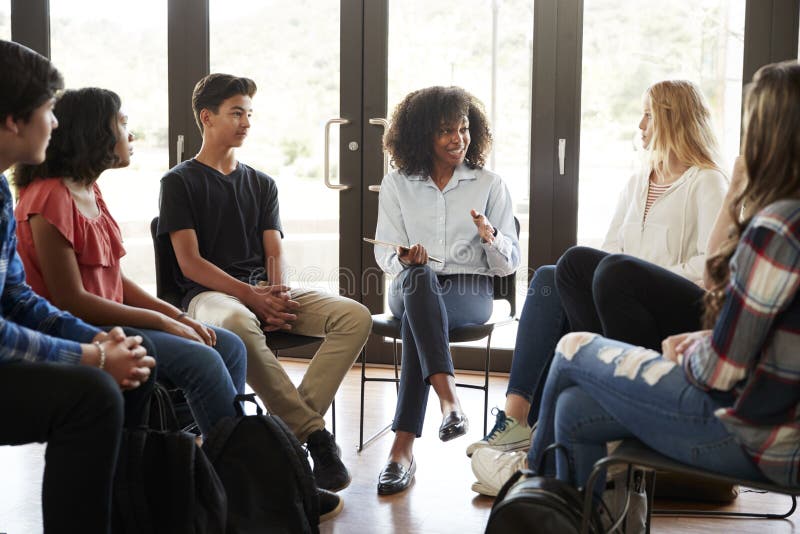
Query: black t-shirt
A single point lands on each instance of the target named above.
(229, 213)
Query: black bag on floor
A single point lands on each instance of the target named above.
(265, 472)
(545, 505)
(164, 483)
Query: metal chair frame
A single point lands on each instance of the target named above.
(632, 452)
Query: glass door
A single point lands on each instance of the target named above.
(5, 20)
(132, 62)
(627, 46)
(294, 60)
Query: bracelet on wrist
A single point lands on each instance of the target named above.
(102, 363)
(181, 315)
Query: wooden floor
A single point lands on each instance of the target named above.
(439, 501)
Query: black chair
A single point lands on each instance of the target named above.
(632, 452)
(387, 325)
(167, 289)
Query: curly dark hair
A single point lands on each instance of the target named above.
(419, 116)
(82, 146)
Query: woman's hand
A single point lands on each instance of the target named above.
(176, 328)
(485, 228)
(416, 255)
(673, 347)
(116, 334)
(207, 334)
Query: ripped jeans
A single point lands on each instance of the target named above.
(600, 390)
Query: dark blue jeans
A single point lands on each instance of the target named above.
(429, 306)
(210, 377)
(600, 390)
(541, 325)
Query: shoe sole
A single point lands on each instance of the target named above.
(337, 490)
(511, 447)
(333, 513)
(453, 435)
(395, 492)
(477, 487)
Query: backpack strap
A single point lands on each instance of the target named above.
(249, 397)
(297, 456)
(510, 482)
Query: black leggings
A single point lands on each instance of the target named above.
(625, 298)
(78, 410)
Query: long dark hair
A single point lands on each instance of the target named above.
(419, 116)
(772, 156)
(82, 146)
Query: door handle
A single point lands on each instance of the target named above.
(385, 124)
(328, 184)
(179, 149)
(562, 151)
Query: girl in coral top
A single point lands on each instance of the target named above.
(71, 248)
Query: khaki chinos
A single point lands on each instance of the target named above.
(343, 323)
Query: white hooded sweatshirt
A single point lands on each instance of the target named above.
(675, 233)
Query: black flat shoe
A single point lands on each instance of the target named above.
(395, 477)
(454, 425)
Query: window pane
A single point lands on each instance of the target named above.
(5, 20)
(294, 59)
(131, 61)
(457, 50)
(628, 45)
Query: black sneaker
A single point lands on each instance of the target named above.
(329, 471)
(330, 504)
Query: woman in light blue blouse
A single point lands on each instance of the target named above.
(454, 222)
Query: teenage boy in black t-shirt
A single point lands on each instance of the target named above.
(222, 218)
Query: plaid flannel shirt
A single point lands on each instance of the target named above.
(754, 350)
(30, 327)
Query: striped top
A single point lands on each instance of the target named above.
(754, 351)
(653, 192)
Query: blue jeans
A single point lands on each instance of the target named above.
(601, 390)
(541, 325)
(429, 306)
(210, 377)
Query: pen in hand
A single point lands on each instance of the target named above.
(397, 247)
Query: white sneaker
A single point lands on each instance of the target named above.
(506, 435)
(493, 468)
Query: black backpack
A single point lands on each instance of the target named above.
(265, 472)
(531, 503)
(164, 483)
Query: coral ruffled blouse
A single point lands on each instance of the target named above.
(97, 241)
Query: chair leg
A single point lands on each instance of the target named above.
(333, 417)
(714, 513)
(486, 381)
(651, 491)
(362, 443)
(396, 375)
(361, 411)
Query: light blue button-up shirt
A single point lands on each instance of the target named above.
(413, 210)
